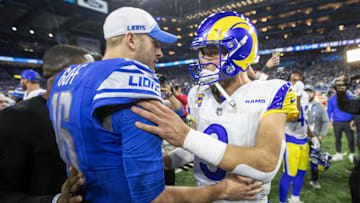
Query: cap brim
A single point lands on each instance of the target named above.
(17, 76)
(162, 36)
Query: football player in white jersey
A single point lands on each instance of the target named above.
(245, 120)
(296, 156)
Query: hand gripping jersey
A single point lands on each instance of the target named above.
(120, 162)
(299, 128)
(237, 126)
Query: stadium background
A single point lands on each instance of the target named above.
(311, 36)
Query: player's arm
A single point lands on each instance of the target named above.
(263, 158)
(324, 122)
(262, 161)
(175, 103)
(143, 164)
(232, 188)
(177, 158)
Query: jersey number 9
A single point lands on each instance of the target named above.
(222, 135)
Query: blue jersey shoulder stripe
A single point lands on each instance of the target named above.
(128, 71)
(127, 91)
(143, 67)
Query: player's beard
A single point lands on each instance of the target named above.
(23, 85)
(143, 54)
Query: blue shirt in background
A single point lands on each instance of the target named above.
(334, 112)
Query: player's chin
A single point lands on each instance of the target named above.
(152, 66)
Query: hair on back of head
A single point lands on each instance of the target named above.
(61, 56)
(296, 72)
(114, 41)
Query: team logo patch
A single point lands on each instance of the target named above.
(200, 99)
(219, 111)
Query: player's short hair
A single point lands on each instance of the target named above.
(297, 72)
(177, 86)
(61, 56)
(114, 41)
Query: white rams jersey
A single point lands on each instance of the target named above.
(237, 126)
(299, 129)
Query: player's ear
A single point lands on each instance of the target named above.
(130, 40)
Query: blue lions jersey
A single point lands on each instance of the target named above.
(120, 163)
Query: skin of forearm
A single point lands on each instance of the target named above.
(309, 133)
(264, 156)
(191, 194)
(175, 103)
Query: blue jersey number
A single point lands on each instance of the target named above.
(60, 105)
(302, 119)
(222, 135)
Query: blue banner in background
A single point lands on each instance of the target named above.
(311, 46)
(261, 52)
(176, 63)
(20, 60)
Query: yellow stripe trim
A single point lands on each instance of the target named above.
(288, 115)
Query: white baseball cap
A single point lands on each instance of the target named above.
(136, 20)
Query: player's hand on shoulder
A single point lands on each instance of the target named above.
(241, 188)
(169, 125)
(71, 187)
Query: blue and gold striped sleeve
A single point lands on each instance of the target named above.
(284, 101)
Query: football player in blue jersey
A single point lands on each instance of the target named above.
(94, 125)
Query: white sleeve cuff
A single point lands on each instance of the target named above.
(179, 157)
(205, 147)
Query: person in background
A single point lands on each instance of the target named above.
(319, 124)
(30, 82)
(167, 94)
(273, 61)
(182, 98)
(341, 123)
(31, 170)
(18, 94)
(350, 105)
(4, 102)
(296, 156)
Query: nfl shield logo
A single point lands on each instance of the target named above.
(219, 111)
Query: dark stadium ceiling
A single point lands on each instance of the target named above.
(59, 16)
(62, 17)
